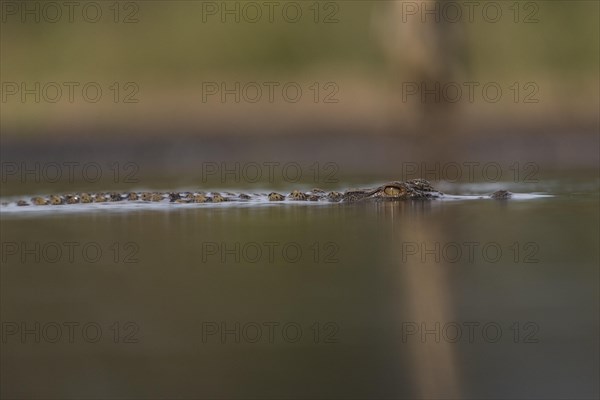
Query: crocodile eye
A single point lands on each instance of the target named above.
(393, 191)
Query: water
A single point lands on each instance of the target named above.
(306, 301)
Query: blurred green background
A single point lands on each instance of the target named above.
(368, 49)
(352, 61)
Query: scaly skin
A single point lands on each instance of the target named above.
(414, 189)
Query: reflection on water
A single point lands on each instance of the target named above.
(347, 300)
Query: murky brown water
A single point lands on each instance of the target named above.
(305, 302)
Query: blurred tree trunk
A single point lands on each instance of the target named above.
(424, 49)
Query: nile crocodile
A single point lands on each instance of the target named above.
(408, 190)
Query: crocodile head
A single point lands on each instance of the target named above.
(389, 191)
(413, 189)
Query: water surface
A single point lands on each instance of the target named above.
(204, 287)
